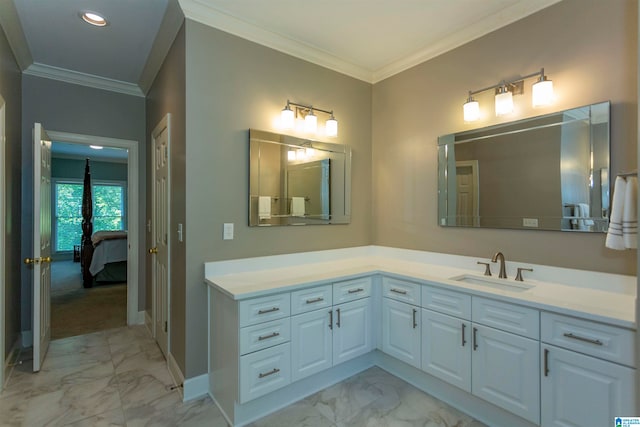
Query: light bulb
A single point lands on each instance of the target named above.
(286, 118)
(310, 122)
(504, 102)
(542, 92)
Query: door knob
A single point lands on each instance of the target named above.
(45, 259)
(30, 261)
(153, 250)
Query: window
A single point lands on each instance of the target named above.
(108, 211)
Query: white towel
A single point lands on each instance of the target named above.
(264, 207)
(614, 233)
(297, 206)
(630, 214)
(584, 211)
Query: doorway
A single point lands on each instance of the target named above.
(133, 316)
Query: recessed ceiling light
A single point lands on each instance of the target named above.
(93, 19)
(96, 147)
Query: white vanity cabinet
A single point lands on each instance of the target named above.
(401, 323)
(335, 333)
(584, 377)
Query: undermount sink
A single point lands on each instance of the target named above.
(490, 282)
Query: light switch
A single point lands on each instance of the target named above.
(227, 233)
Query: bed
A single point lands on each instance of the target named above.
(109, 260)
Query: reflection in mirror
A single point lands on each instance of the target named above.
(549, 172)
(294, 181)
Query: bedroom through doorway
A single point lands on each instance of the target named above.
(80, 306)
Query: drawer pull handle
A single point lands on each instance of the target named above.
(266, 374)
(330, 319)
(546, 362)
(270, 310)
(266, 337)
(399, 291)
(463, 340)
(355, 291)
(338, 322)
(311, 301)
(475, 339)
(579, 338)
(415, 324)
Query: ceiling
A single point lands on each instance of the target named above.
(65, 150)
(366, 39)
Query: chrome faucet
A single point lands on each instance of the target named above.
(503, 270)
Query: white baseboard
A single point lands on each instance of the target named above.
(11, 360)
(196, 387)
(140, 318)
(26, 338)
(148, 322)
(176, 373)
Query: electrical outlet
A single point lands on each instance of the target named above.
(530, 222)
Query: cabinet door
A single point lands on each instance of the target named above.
(505, 371)
(579, 390)
(351, 330)
(446, 348)
(311, 343)
(401, 331)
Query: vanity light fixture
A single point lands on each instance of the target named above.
(307, 112)
(541, 95)
(93, 19)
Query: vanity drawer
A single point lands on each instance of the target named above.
(311, 299)
(448, 302)
(401, 290)
(350, 290)
(263, 335)
(264, 371)
(588, 337)
(264, 309)
(508, 317)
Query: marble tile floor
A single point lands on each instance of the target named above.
(119, 378)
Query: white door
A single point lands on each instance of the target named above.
(160, 234)
(446, 348)
(401, 331)
(579, 390)
(41, 260)
(467, 193)
(310, 343)
(505, 371)
(352, 335)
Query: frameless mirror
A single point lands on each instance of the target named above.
(294, 181)
(549, 172)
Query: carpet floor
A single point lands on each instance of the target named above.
(76, 310)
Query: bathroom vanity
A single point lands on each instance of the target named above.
(556, 349)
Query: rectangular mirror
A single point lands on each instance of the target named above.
(549, 173)
(295, 181)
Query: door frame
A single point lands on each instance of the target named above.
(3, 208)
(164, 123)
(134, 316)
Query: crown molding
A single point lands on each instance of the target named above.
(199, 11)
(171, 23)
(10, 21)
(75, 77)
(459, 38)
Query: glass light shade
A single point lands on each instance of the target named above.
(331, 127)
(291, 155)
(542, 93)
(311, 123)
(471, 110)
(286, 118)
(504, 103)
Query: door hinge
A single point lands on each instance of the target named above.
(165, 326)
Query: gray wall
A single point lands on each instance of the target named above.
(167, 95)
(74, 169)
(65, 107)
(10, 83)
(589, 50)
(233, 85)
